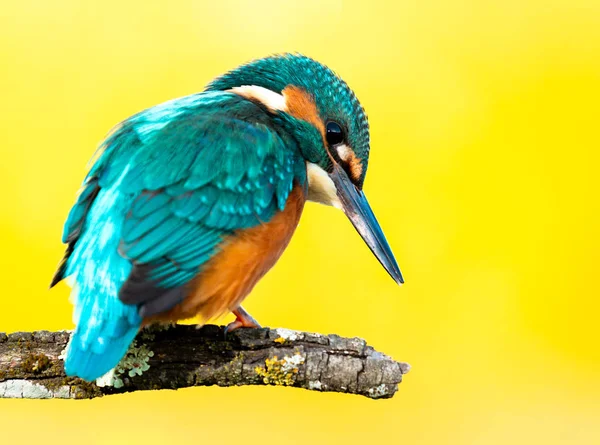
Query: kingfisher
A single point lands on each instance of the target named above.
(189, 203)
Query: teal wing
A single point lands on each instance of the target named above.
(196, 171)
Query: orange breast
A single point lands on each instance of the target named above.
(243, 259)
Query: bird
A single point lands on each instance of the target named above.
(189, 203)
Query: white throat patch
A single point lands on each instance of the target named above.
(320, 186)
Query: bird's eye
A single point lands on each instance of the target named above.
(334, 135)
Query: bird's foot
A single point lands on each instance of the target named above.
(242, 320)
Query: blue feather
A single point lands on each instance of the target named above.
(190, 204)
(148, 203)
(136, 228)
(105, 326)
(149, 249)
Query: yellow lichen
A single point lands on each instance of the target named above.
(280, 372)
(280, 340)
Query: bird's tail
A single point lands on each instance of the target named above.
(90, 356)
(105, 327)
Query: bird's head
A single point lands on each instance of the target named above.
(323, 114)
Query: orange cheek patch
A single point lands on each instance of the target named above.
(301, 105)
(356, 167)
(346, 154)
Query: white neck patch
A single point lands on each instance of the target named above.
(270, 99)
(321, 188)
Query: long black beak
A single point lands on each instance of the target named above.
(357, 209)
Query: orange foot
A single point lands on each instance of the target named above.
(242, 320)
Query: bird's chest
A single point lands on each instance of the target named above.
(243, 259)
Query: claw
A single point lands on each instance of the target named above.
(242, 320)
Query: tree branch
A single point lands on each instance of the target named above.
(181, 356)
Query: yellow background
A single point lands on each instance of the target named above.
(485, 141)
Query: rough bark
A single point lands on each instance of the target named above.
(182, 356)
